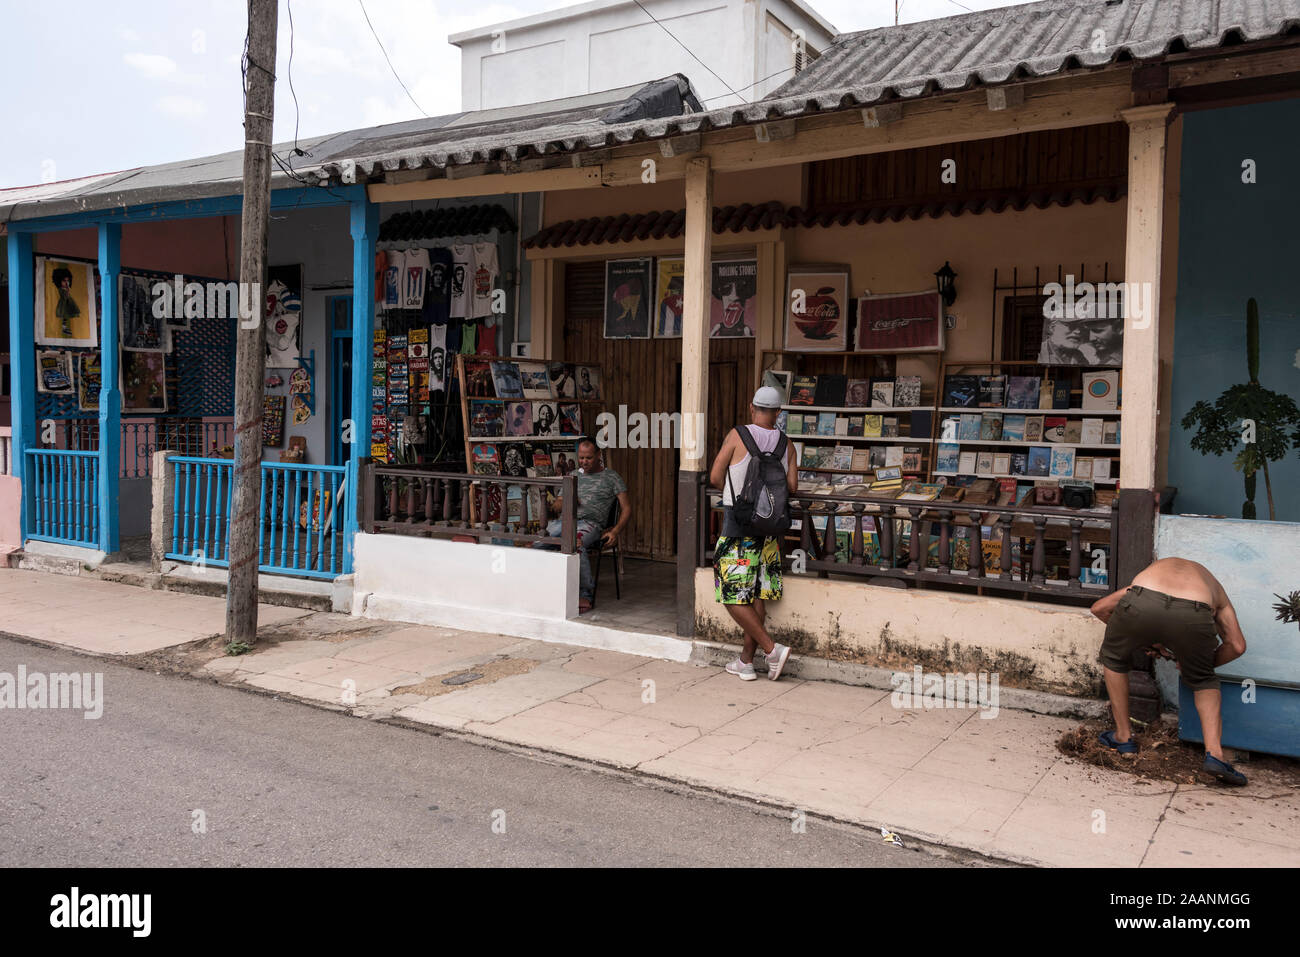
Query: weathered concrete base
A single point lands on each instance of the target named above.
(1040, 647)
(60, 559)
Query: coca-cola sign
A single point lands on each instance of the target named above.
(816, 306)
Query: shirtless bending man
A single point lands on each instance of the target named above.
(1178, 609)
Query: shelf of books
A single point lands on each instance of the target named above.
(846, 426)
(1022, 424)
(524, 418)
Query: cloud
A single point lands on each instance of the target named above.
(184, 107)
(153, 65)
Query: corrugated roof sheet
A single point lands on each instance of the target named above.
(749, 217)
(912, 60)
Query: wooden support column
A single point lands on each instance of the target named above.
(1139, 418)
(365, 229)
(110, 395)
(695, 382)
(22, 366)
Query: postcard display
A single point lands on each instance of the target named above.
(523, 418)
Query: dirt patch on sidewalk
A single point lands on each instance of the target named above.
(1162, 757)
(477, 676)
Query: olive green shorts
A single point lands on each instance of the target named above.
(1144, 617)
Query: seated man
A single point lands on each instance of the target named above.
(598, 487)
(1174, 606)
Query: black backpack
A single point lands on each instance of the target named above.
(762, 507)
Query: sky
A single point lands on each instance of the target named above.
(137, 82)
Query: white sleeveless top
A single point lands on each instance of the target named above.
(766, 440)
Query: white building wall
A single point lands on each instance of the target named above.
(611, 43)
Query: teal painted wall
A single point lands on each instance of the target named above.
(1236, 241)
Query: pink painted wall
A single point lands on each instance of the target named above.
(200, 247)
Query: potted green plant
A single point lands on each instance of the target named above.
(1222, 424)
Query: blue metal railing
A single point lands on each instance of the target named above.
(63, 486)
(300, 516)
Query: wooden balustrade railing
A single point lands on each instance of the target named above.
(416, 500)
(891, 522)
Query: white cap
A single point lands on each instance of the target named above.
(767, 398)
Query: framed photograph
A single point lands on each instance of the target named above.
(54, 372)
(144, 384)
(900, 322)
(733, 306)
(65, 303)
(816, 309)
(668, 298)
(627, 298)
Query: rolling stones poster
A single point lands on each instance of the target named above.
(816, 310)
(733, 305)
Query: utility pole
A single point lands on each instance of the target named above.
(250, 349)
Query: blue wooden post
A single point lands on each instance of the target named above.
(22, 365)
(110, 396)
(365, 228)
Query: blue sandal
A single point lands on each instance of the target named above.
(1123, 747)
(1224, 771)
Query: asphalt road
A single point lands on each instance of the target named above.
(284, 784)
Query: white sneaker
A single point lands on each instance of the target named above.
(745, 672)
(777, 659)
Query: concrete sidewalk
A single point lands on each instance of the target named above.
(949, 776)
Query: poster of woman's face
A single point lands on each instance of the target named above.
(546, 418)
(65, 303)
(733, 307)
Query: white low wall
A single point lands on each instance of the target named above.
(1030, 644)
(527, 582)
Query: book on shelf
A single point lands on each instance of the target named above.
(1062, 465)
(858, 393)
(841, 424)
(804, 390)
(1039, 462)
(947, 457)
(907, 391)
(893, 455)
(919, 492)
(952, 493)
(991, 427)
(1101, 468)
(981, 491)
(993, 391)
(984, 463)
(1083, 467)
(882, 393)
(911, 458)
(950, 428)
(1019, 463)
(1006, 492)
(1054, 428)
(961, 391)
(970, 426)
(856, 423)
(1061, 394)
(889, 427)
(810, 423)
(1022, 391)
(782, 420)
(920, 423)
(861, 459)
(1034, 428)
(842, 458)
(1104, 497)
(1073, 431)
(825, 423)
(1092, 432)
(1046, 388)
(1013, 427)
(808, 459)
(794, 425)
(966, 463)
(1110, 433)
(830, 390)
(872, 425)
(1101, 390)
(1001, 463)
(877, 456)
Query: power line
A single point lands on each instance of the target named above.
(362, 4)
(686, 48)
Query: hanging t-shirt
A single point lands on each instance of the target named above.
(467, 336)
(437, 290)
(417, 267)
(485, 278)
(462, 273)
(381, 274)
(487, 340)
(393, 279)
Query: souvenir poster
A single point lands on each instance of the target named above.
(900, 322)
(668, 298)
(563, 384)
(816, 311)
(65, 303)
(437, 358)
(519, 418)
(513, 460)
(588, 382)
(283, 316)
(144, 382)
(627, 299)
(478, 379)
(141, 330)
(301, 410)
(536, 380)
(546, 419)
(299, 382)
(570, 418)
(733, 306)
(485, 460)
(54, 372)
(272, 421)
(486, 418)
(89, 381)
